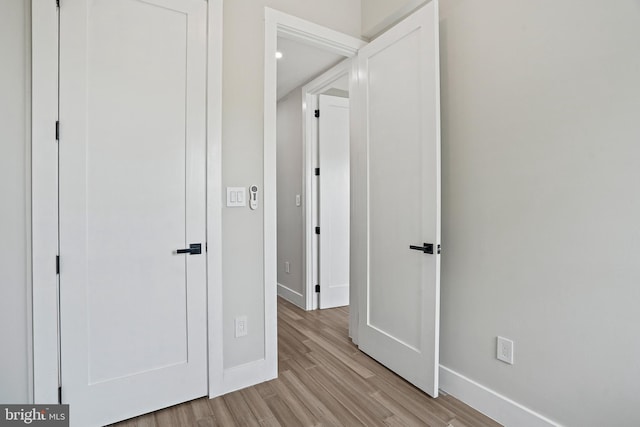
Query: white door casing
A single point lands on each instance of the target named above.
(132, 191)
(280, 24)
(334, 179)
(400, 126)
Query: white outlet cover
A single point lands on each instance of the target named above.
(504, 350)
(241, 326)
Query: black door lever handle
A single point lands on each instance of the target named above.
(427, 248)
(194, 249)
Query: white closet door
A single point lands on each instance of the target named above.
(399, 305)
(333, 148)
(132, 192)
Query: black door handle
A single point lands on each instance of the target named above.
(194, 249)
(427, 248)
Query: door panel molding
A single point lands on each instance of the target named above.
(399, 289)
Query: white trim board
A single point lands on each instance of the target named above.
(290, 295)
(246, 375)
(27, 177)
(297, 29)
(490, 403)
(214, 197)
(44, 200)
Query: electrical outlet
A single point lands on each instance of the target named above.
(241, 326)
(504, 350)
(287, 267)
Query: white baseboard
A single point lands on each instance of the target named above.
(291, 296)
(244, 376)
(492, 404)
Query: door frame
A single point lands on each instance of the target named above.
(44, 199)
(310, 93)
(281, 24)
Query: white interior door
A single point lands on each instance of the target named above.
(132, 192)
(333, 148)
(399, 305)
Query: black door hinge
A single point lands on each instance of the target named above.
(57, 130)
(317, 288)
(317, 230)
(317, 171)
(57, 264)
(317, 113)
(60, 395)
(57, 3)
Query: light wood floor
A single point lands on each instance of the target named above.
(324, 380)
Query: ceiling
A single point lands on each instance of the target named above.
(300, 64)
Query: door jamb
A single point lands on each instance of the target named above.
(291, 27)
(44, 197)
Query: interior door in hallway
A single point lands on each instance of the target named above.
(132, 193)
(333, 148)
(399, 302)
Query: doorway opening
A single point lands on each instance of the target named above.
(395, 156)
(282, 30)
(312, 176)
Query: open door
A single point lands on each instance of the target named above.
(400, 123)
(333, 148)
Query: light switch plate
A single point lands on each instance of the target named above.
(236, 197)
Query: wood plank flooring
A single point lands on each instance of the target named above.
(324, 380)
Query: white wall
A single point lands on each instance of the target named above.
(289, 183)
(377, 15)
(541, 204)
(14, 209)
(242, 155)
(243, 76)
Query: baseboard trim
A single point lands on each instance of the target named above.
(243, 376)
(291, 296)
(492, 404)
